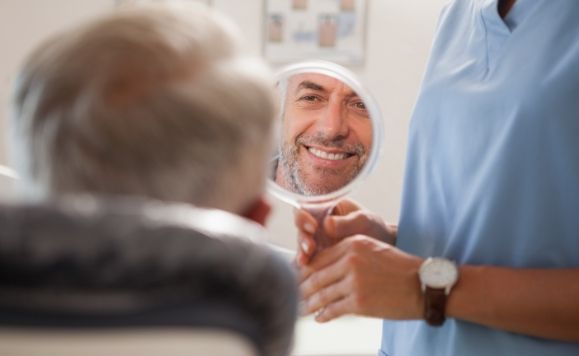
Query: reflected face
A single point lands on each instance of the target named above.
(327, 135)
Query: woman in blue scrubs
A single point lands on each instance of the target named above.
(491, 183)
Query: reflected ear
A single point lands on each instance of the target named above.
(258, 211)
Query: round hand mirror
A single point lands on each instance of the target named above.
(329, 135)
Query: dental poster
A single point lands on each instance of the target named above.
(333, 30)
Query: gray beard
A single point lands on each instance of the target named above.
(294, 175)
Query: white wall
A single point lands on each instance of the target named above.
(23, 24)
(399, 34)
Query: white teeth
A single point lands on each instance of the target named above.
(326, 155)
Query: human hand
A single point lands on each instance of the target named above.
(362, 276)
(346, 219)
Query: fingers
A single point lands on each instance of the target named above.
(307, 247)
(307, 226)
(339, 227)
(336, 309)
(324, 288)
(321, 279)
(324, 297)
(345, 207)
(350, 220)
(305, 222)
(360, 222)
(324, 258)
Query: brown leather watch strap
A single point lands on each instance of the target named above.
(434, 306)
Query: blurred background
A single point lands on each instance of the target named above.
(398, 35)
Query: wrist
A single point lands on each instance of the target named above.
(418, 300)
(413, 308)
(437, 278)
(463, 303)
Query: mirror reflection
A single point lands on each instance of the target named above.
(326, 134)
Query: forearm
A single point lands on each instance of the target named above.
(536, 302)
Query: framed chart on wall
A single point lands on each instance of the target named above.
(333, 30)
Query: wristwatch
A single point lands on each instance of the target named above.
(437, 277)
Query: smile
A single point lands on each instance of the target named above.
(327, 155)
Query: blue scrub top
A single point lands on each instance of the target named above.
(492, 174)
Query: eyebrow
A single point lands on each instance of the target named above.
(306, 84)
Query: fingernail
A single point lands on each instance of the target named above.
(305, 247)
(309, 228)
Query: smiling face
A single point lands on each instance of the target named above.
(327, 135)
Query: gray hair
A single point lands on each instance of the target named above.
(149, 102)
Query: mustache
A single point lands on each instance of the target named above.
(335, 142)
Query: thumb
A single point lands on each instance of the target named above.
(339, 227)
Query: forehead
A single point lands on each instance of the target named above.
(317, 82)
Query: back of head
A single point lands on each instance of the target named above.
(151, 102)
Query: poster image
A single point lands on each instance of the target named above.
(332, 30)
(275, 28)
(327, 30)
(300, 4)
(347, 5)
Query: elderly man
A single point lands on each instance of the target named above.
(327, 135)
(141, 110)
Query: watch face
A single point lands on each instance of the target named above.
(438, 273)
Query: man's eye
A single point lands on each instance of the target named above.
(360, 105)
(311, 98)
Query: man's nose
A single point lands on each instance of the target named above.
(333, 122)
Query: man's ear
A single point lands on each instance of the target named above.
(258, 211)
